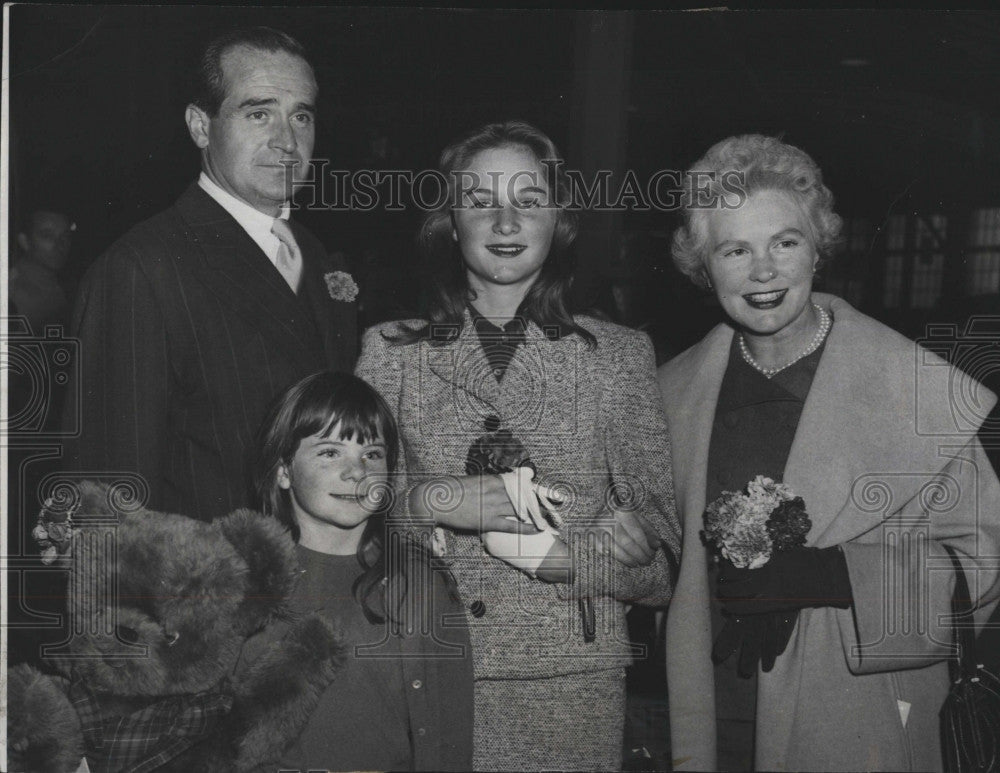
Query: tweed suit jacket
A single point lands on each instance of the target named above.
(886, 458)
(592, 424)
(187, 331)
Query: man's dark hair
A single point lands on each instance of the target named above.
(210, 89)
(26, 215)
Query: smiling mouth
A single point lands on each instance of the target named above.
(507, 250)
(769, 300)
(367, 498)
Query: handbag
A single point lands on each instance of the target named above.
(970, 716)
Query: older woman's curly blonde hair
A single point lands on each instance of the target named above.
(761, 163)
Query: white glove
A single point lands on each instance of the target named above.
(525, 496)
(522, 551)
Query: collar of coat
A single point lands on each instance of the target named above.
(884, 415)
(542, 374)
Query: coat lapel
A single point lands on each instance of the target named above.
(880, 419)
(463, 365)
(848, 494)
(245, 280)
(336, 320)
(313, 293)
(539, 382)
(695, 383)
(456, 383)
(690, 385)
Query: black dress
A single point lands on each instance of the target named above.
(755, 422)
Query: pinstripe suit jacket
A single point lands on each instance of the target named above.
(592, 424)
(187, 331)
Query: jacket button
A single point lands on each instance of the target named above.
(417, 684)
(421, 731)
(477, 608)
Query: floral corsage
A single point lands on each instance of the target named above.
(746, 527)
(341, 286)
(496, 452)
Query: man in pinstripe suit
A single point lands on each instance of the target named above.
(194, 320)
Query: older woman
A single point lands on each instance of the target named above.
(500, 375)
(831, 656)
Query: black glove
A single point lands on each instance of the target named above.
(790, 580)
(759, 638)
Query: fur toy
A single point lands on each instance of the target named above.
(152, 677)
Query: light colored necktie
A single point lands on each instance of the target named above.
(289, 260)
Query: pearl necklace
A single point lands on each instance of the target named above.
(824, 328)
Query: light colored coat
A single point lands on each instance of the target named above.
(886, 458)
(592, 423)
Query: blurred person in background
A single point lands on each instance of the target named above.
(41, 251)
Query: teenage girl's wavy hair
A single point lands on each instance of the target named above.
(547, 301)
(314, 406)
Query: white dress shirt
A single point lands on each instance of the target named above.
(256, 224)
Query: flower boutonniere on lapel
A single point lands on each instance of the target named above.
(341, 286)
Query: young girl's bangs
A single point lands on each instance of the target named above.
(362, 426)
(361, 413)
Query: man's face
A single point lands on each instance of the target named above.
(49, 239)
(260, 142)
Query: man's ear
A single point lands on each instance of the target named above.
(23, 243)
(197, 121)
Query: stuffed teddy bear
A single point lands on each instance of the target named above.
(151, 677)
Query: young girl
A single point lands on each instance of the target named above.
(403, 698)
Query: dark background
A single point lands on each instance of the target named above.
(901, 110)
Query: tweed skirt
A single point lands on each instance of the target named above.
(571, 722)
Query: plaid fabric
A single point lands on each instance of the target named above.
(145, 739)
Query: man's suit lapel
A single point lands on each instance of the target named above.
(246, 281)
(335, 320)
